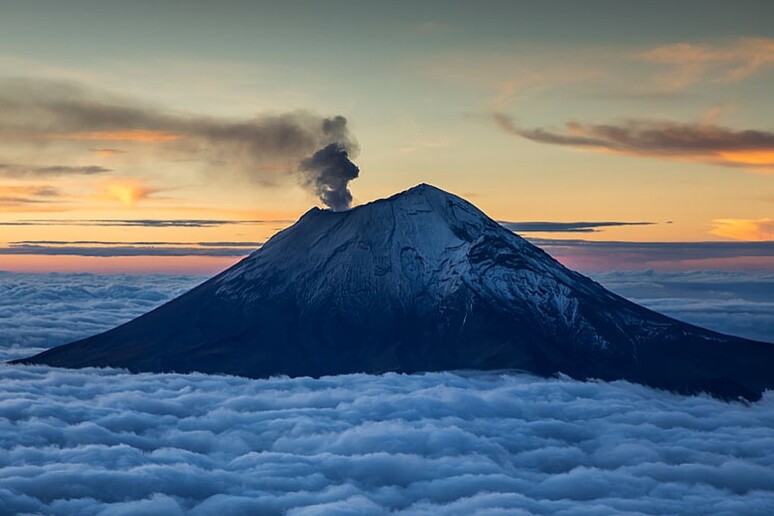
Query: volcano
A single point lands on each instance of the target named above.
(420, 281)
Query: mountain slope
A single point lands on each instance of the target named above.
(421, 281)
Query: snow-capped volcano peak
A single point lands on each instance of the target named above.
(420, 281)
(420, 242)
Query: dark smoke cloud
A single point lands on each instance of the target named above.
(328, 172)
(669, 140)
(266, 149)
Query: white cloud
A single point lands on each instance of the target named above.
(737, 303)
(107, 442)
(101, 441)
(38, 311)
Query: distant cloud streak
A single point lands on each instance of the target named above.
(149, 223)
(122, 250)
(32, 171)
(705, 143)
(162, 243)
(566, 227)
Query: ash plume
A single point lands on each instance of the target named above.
(328, 172)
(267, 150)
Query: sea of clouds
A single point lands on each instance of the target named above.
(107, 442)
(737, 303)
(39, 311)
(102, 441)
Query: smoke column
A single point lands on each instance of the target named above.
(328, 172)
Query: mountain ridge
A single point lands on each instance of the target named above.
(419, 281)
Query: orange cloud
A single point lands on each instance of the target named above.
(756, 230)
(21, 198)
(37, 191)
(702, 142)
(18, 198)
(763, 158)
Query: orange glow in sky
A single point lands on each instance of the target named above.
(135, 135)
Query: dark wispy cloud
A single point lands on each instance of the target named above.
(13, 170)
(148, 223)
(566, 227)
(266, 149)
(702, 142)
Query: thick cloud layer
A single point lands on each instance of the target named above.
(101, 441)
(38, 311)
(106, 442)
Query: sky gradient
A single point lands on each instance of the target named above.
(614, 134)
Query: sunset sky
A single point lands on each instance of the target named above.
(168, 136)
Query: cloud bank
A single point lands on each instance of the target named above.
(101, 441)
(105, 442)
